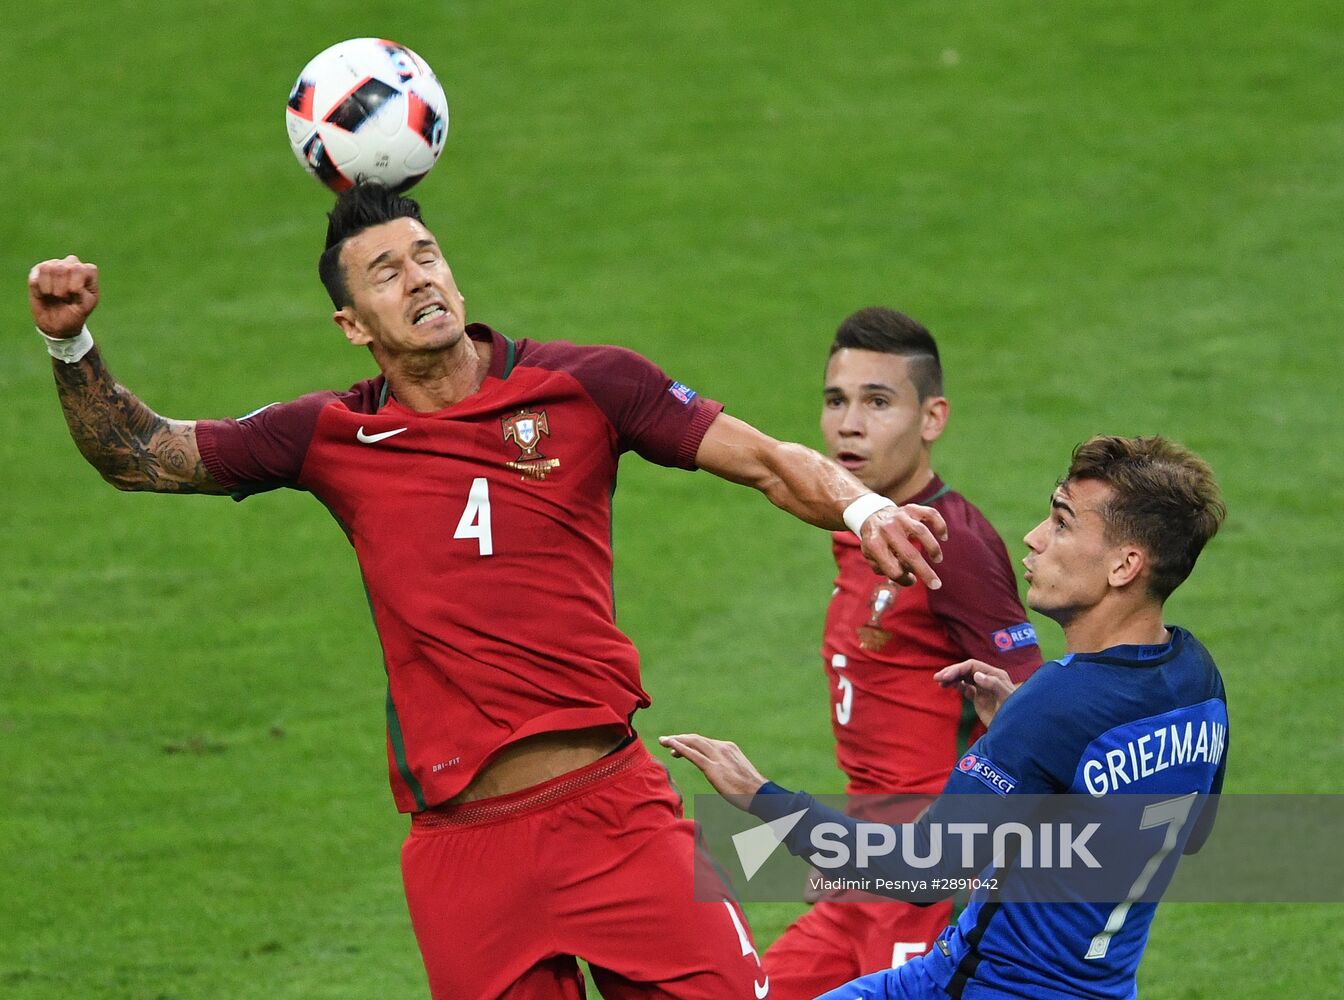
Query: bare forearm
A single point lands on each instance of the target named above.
(809, 486)
(130, 445)
(792, 477)
(897, 541)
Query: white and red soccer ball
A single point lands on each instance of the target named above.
(367, 108)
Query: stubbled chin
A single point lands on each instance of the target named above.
(861, 473)
(439, 333)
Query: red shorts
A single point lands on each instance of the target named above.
(835, 942)
(598, 863)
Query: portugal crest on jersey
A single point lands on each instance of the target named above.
(526, 429)
(872, 636)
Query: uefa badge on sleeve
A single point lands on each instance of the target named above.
(1014, 637)
(682, 393)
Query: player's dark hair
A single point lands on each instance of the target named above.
(366, 204)
(1164, 498)
(890, 332)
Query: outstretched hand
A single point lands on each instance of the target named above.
(725, 765)
(901, 542)
(62, 294)
(987, 686)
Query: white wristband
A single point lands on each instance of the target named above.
(865, 507)
(69, 349)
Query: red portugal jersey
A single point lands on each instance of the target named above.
(483, 533)
(896, 730)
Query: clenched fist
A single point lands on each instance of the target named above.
(62, 294)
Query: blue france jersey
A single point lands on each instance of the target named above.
(1143, 720)
(1146, 720)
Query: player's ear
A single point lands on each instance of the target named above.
(352, 328)
(936, 410)
(1128, 563)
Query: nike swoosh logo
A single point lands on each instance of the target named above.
(375, 438)
(762, 989)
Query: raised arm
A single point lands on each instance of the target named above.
(130, 445)
(899, 542)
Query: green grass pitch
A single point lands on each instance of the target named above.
(1119, 217)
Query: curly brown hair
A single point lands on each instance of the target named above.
(1164, 498)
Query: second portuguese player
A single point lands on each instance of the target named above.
(896, 730)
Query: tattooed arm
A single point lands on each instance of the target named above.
(128, 443)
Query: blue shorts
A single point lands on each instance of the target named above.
(910, 981)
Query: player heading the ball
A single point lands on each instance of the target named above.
(475, 473)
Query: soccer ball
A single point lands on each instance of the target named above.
(367, 108)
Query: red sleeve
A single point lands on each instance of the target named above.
(263, 450)
(978, 602)
(661, 420)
